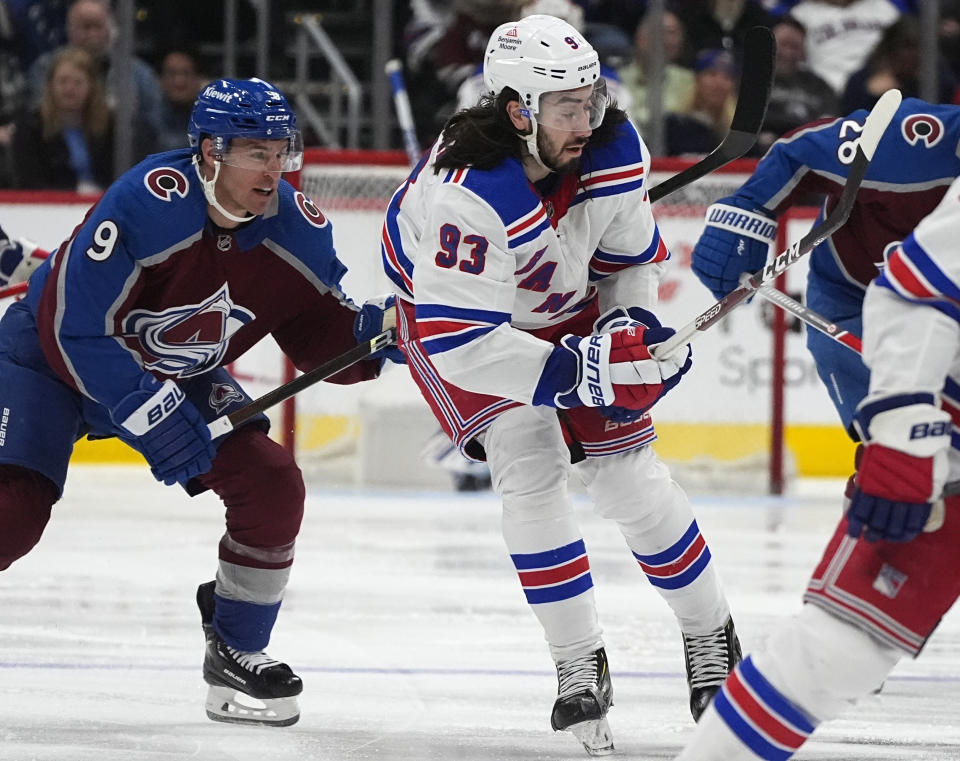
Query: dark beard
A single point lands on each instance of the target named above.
(570, 167)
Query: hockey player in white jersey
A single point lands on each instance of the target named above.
(890, 571)
(527, 260)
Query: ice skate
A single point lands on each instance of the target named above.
(584, 695)
(245, 688)
(710, 657)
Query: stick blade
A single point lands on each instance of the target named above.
(878, 120)
(756, 81)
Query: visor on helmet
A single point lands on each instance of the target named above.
(262, 154)
(577, 110)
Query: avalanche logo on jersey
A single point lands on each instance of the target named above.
(309, 210)
(186, 340)
(922, 128)
(222, 395)
(165, 181)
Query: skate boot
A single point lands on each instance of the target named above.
(584, 694)
(710, 657)
(245, 687)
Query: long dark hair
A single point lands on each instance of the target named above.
(482, 136)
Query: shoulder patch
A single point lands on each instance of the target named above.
(309, 210)
(164, 182)
(922, 128)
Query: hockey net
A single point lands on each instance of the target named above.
(715, 432)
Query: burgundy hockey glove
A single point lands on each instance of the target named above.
(170, 432)
(904, 466)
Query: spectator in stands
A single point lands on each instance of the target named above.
(446, 59)
(700, 126)
(894, 62)
(181, 81)
(721, 24)
(27, 29)
(90, 25)
(798, 95)
(841, 34)
(67, 142)
(678, 79)
(949, 35)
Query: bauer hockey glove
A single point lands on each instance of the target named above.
(17, 261)
(168, 429)
(613, 369)
(620, 317)
(904, 466)
(375, 316)
(736, 239)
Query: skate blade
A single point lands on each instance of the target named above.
(229, 705)
(595, 735)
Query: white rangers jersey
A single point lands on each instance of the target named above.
(911, 316)
(487, 259)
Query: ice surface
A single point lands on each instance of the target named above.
(405, 619)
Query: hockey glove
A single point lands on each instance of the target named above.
(17, 261)
(375, 316)
(619, 317)
(169, 431)
(904, 466)
(614, 367)
(735, 240)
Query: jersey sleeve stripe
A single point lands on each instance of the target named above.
(609, 182)
(604, 263)
(391, 246)
(913, 276)
(534, 217)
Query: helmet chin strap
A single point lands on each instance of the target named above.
(210, 192)
(531, 141)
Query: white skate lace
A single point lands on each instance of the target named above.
(708, 658)
(255, 661)
(577, 675)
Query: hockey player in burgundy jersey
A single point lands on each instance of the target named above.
(188, 260)
(915, 162)
(527, 260)
(891, 571)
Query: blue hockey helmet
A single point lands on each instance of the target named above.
(245, 108)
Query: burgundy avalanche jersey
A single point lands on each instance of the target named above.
(148, 283)
(915, 161)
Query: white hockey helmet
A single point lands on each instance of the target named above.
(541, 54)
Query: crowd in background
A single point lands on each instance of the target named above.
(58, 81)
(833, 56)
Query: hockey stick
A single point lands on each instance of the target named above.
(227, 423)
(759, 51)
(401, 101)
(811, 318)
(873, 130)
